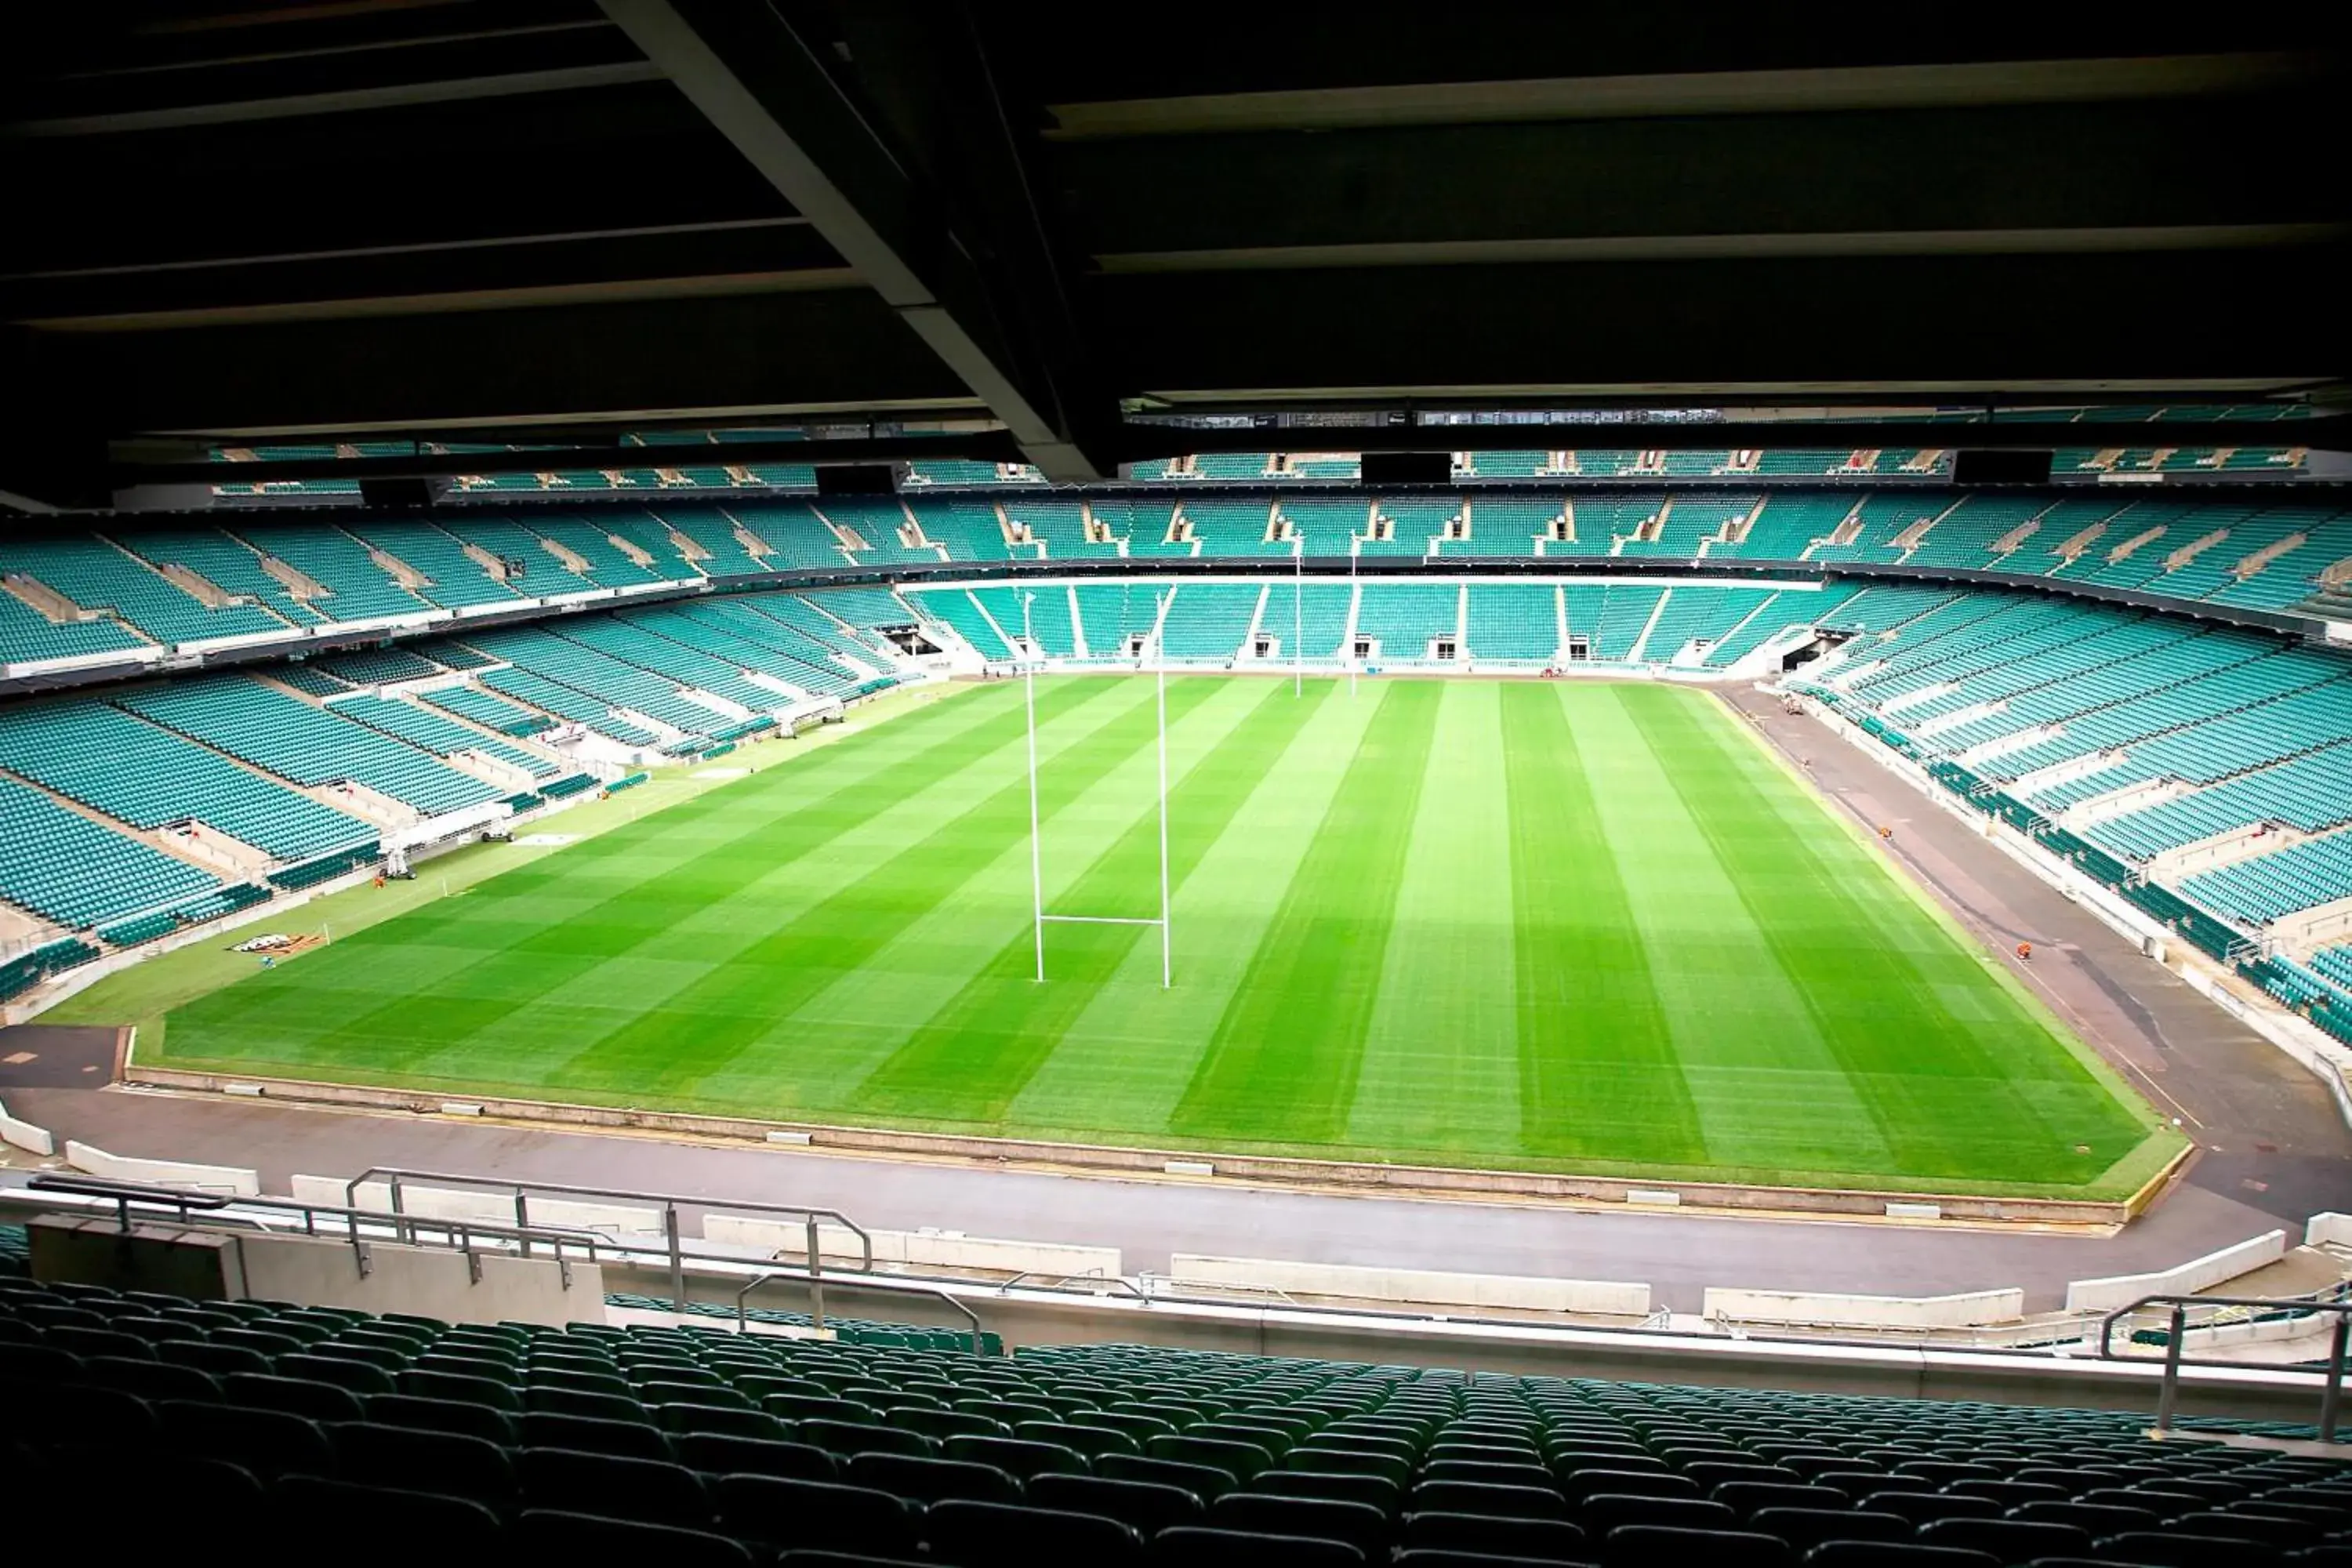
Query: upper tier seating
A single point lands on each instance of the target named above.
(1059, 525)
(149, 777)
(453, 579)
(226, 562)
(27, 634)
(294, 740)
(357, 589)
(705, 1446)
(609, 566)
(96, 576)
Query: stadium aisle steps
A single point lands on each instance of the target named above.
(703, 1445)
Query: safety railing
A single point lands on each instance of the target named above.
(358, 1226)
(669, 1204)
(2179, 1328)
(816, 1297)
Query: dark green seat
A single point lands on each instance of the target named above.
(943, 1423)
(1315, 1457)
(730, 1420)
(802, 1407)
(1084, 1437)
(269, 1443)
(1019, 1457)
(1130, 1421)
(205, 1356)
(461, 1388)
(454, 1364)
(354, 1376)
(928, 1480)
(294, 1395)
(1205, 1481)
(364, 1352)
(460, 1416)
(562, 1400)
(812, 1514)
(1274, 1440)
(1377, 1491)
(151, 1379)
(847, 1437)
(637, 1438)
(652, 1490)
(715, 1454)
(1243, 1459)
(1148, 1506)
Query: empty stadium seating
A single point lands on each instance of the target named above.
(145, 776)
(287, 737)
(704, 1445)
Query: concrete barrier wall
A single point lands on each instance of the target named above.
(1970, 1310)
(2196, 1274)
(226, 1180)
(213, 1265)
(24, 1135)
(1418, 1286)
(479, 1207)
(2326, 1227)
(433, 1282)
(1422, 1181)
(915, 1248)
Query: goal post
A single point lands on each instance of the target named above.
(1039, 918)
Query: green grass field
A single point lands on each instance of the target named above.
(1557, 926)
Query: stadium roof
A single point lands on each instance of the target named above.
(1031, 230)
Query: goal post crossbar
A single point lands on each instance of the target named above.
(1039, 918)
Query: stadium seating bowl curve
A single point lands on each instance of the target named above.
(2123, 737)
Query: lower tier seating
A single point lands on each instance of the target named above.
(687, 1446)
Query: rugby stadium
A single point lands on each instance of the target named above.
(856, 784)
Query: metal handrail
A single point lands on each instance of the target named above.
(2330, 1394)
(394, 1175)
(908, 1288)
(459, 1235)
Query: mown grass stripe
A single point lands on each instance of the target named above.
(699, 1030)
(835, 1041)
(1599, 1078)
(1440, 1068)
(1132, 1052)
(970, 1061)
(1767, 1090)
(1942, 1088)
(442, 979)
(1281, 1064)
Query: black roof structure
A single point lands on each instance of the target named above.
(1041, 231)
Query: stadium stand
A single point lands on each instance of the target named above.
(2142, 736)
(289, 738)
(431, 732)
(897, 1445)
(1403, 621)
(150, 778)
(68, 868)
(1211, 620)
(1513, 621)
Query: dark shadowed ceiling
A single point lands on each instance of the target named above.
(1041, 225)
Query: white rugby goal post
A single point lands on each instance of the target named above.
(1040, 919)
